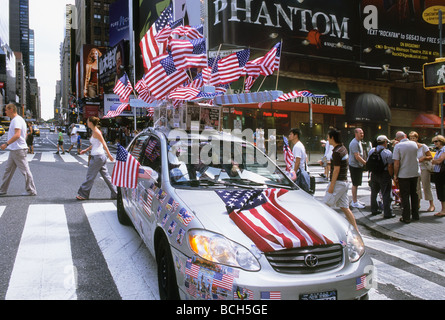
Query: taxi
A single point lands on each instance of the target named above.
(2, 131)
(224, 222)
(36, 130)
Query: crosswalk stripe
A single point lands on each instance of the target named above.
(122, 249)
(47, 157)
(68, 158)
(2, 209)
(43, 268)
(408, 282)
(420, 260)
(4, 157)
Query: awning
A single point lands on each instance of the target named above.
(368, 107)
(426, 120)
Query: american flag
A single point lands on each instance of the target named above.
(184, 93)
(149, 45)
(271, 61)
(189, 53)
(192, 269)
(190, 32)
(197, 82)
(289, 158)
(210, 75)
(164, 77)
(146, 202)
(360, 282)
(123, 88)
(249, 83)
(231, 67)
(224, 281)
(126, 169)
(184, 217)
(296, 94)
(271, 227)
(270, 295)
(117, 112)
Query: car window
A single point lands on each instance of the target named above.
(136, 148)
(151, 155)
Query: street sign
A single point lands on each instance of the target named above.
(434, 74)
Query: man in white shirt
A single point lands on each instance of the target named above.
(406, 173)
(298, 149)
(18, 150)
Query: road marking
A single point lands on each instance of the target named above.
(44, 269)
(2, 209)
(129, 261)
(47, 157)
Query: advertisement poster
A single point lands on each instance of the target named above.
(90, 71)
(310, 27)
(396, 33)
(110, 65)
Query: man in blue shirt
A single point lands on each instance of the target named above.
(382, 181)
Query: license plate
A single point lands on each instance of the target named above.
(326, 295)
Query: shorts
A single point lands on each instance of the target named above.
(356, 176)
(60, 143)
(339, 198)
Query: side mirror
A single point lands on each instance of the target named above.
(147, 173)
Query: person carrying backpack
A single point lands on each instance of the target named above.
(381, 166)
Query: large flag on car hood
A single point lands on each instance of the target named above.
(271, 227)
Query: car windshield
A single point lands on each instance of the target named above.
(222, 162)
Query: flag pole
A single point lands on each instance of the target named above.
(279, 65)
(261, 84)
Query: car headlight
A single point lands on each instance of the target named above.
(355, 244)
(217, 248)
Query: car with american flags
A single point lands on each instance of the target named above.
(224, 222)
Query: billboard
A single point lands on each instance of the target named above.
(89, 62)
(399, 33)
(312, 27)
(119, 22)
(110, 65)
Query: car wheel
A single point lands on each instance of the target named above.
(168, 288)
(122, 215)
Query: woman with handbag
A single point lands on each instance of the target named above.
(425, 157)
(439, 172)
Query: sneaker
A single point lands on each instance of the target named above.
(56, 152)
(357, 205)
(29, 194)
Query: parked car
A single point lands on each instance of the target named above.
(202, 205)
(2, 131)
(52, 129)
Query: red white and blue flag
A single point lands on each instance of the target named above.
(115, 113)
(289, 158)
(189, 53)
(165, 77)
(231, 67)
(126, 169)
(297, 94)
(149, 45)
(123, 88)
(271, 227)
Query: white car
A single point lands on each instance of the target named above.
(82, 129)
(224, 222)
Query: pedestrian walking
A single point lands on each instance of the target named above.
(99, 153)
(73, 138)
(406, 173)
(30, 138)
(60, 141)
(300, 158)
(337, 190)
(356, 166)
(439, 173)
(381, 177)
(424, 156)
(18, 148)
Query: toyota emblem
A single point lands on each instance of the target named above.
(311, 261)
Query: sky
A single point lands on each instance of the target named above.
(47, 19)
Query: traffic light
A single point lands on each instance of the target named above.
(434, 74)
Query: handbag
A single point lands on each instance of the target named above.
(429, 166)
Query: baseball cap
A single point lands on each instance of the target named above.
(382, 138)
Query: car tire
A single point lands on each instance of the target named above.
(168, 287)
(122, 215)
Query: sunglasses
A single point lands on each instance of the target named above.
(436, 141)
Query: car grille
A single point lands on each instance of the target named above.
(298, 260)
